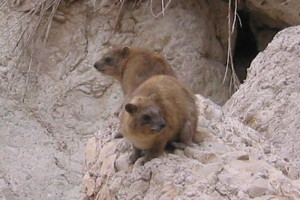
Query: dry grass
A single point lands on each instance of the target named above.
(234, 81)
(3, 4)
(36, 23)
(122, 6)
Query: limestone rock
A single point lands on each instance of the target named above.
(285, 11)
(233, 170)
(89, 184)
(42, 136)
(268, 101)
(197, 64)
(91, 151)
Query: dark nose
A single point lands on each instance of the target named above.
(162, 124)
(96, 65)
(159, 125)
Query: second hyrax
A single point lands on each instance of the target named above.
(161, 110)
(132, 66)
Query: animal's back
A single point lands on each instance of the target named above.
(169, 92)
(176, 101)
(159, 111)
(140, 66)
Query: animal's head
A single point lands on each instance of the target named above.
(146, 115)
(112, 62)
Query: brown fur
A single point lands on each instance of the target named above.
(172, 110)
(132, 66)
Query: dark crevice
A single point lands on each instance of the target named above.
(245, 48)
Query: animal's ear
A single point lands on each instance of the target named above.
(131, 108)
(125, 51)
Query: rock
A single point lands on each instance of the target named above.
(203, 157)
(211, 112)
(91, 151)
(212, 169)
(108, 165)
(88, 183)
(168, 192)
(258, 189)
(201, 135)
(246, 141)
(128, 25)
(275, 105)
(229, 163)
(122, 162)
(105, 193)
(67, 102)
(243, 157)
(226, 178)
(123, 146)
(284, 11)
(138, 189)
(203, 122)
(107, 150)
(115, 185)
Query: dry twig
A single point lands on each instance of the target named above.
(3, 4)
(120, 15)
(234, 81)
(163, 8)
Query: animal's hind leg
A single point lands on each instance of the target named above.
(189, 129)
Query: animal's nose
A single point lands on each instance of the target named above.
(162, 124)
(96, 65)
(159, 125)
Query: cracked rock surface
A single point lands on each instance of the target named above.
(227, 162)
(269, 99)
(42, 136)
(235, 157)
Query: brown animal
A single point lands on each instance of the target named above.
(132, 66)
(161, 110)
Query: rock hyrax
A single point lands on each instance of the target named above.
(159, 111)
(132, 66)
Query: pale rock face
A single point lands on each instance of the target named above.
(200, 65)
(267, 17)
(269, 100)
(230, 159)
(229, 163)
(286, 11)
(42, 139)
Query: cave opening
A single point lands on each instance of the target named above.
(246, 46)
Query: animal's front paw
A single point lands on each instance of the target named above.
(117, 134)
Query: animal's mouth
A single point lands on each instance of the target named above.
(99, 67)
(158, 128)
(155, 130)
(101, 70)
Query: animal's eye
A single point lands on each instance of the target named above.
(108, 59)
(146, 118)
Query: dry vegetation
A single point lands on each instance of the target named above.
(34, 24)
(234, 81)
(37, 21)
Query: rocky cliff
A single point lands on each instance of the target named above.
(57, 111)
(231, 160)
